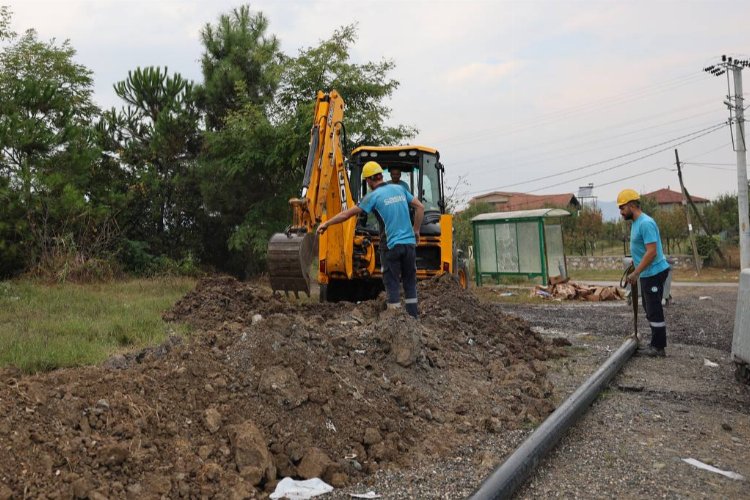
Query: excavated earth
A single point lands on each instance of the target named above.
(268, 388)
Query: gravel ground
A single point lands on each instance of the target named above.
(632, 441)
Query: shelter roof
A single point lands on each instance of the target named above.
(540, 213)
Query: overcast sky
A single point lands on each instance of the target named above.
(509, 92)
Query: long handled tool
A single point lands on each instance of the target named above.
(633, 297)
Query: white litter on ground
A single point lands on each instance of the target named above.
(301, 490)
(711, 468)
(709, 363)
(369, 494)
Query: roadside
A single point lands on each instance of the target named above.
(632, 440)
(657, 411)
(707, 274)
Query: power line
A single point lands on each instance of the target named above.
(711, 167)
(564, 152)
(704, 131)
(634, 175)
(635, 159)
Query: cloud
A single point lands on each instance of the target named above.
(480, 73)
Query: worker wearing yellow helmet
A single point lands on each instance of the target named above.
(651, 267)
(390, 204)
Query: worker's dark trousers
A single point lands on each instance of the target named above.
(652, 291)
(401, 266)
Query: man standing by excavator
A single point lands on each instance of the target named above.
(651, 268)
(390, 203)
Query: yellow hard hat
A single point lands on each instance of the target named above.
(371, 168)
(627, 195)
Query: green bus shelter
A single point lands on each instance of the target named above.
(523, 243)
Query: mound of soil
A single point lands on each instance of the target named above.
(267, 388)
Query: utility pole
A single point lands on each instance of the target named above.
(687, 213)
(736, 107)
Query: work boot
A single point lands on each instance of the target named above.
(652, 352)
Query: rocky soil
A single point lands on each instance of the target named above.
(632, 441)
(268, 388)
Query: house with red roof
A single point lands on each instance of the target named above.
(666, 198)
(505, 201)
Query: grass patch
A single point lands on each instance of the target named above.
(516, 295)
(44, 327)
(688, 275)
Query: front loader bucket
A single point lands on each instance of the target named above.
(289, 259)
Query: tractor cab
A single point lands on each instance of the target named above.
(421, 173)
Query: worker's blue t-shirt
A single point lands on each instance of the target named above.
(402, 184)
(390, 203)
(644, 231)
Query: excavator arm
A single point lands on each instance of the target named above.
(325, 192)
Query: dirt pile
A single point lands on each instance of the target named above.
(267, 389)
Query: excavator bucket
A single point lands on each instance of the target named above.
(290, 256)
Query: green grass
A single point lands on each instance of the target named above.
(688, 275)
(43, 327)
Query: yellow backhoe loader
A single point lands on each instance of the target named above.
(348, 256)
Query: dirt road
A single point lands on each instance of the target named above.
(658, 411)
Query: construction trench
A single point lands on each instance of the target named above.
(265, 388)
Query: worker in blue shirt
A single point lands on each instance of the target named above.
(390, 204)
(651, 267)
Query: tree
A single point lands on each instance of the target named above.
(364, 87)
(241, 63)
(721, 216)
(246, 186)
(47, 147)
(672, 224)
(254, 156)
(464, 233)
(649, 205)
(156, 137)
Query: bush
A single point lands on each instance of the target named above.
(707, 245)
(137, 260)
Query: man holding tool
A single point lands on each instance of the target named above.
(651, 268)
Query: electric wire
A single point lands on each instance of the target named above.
(606, 138)
(703, 131)
(630, 161)
(558, 154)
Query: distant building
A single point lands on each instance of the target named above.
(666, 198)
(504, 201)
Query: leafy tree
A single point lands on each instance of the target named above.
(649, 205)
(241, 64)
(464, 232)
(617, 233)
(672, 224)
(254, 155)
(246, 186)
(156, 136)
(721, 216)
(583, 229)
(47, 151)
(364, 87)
